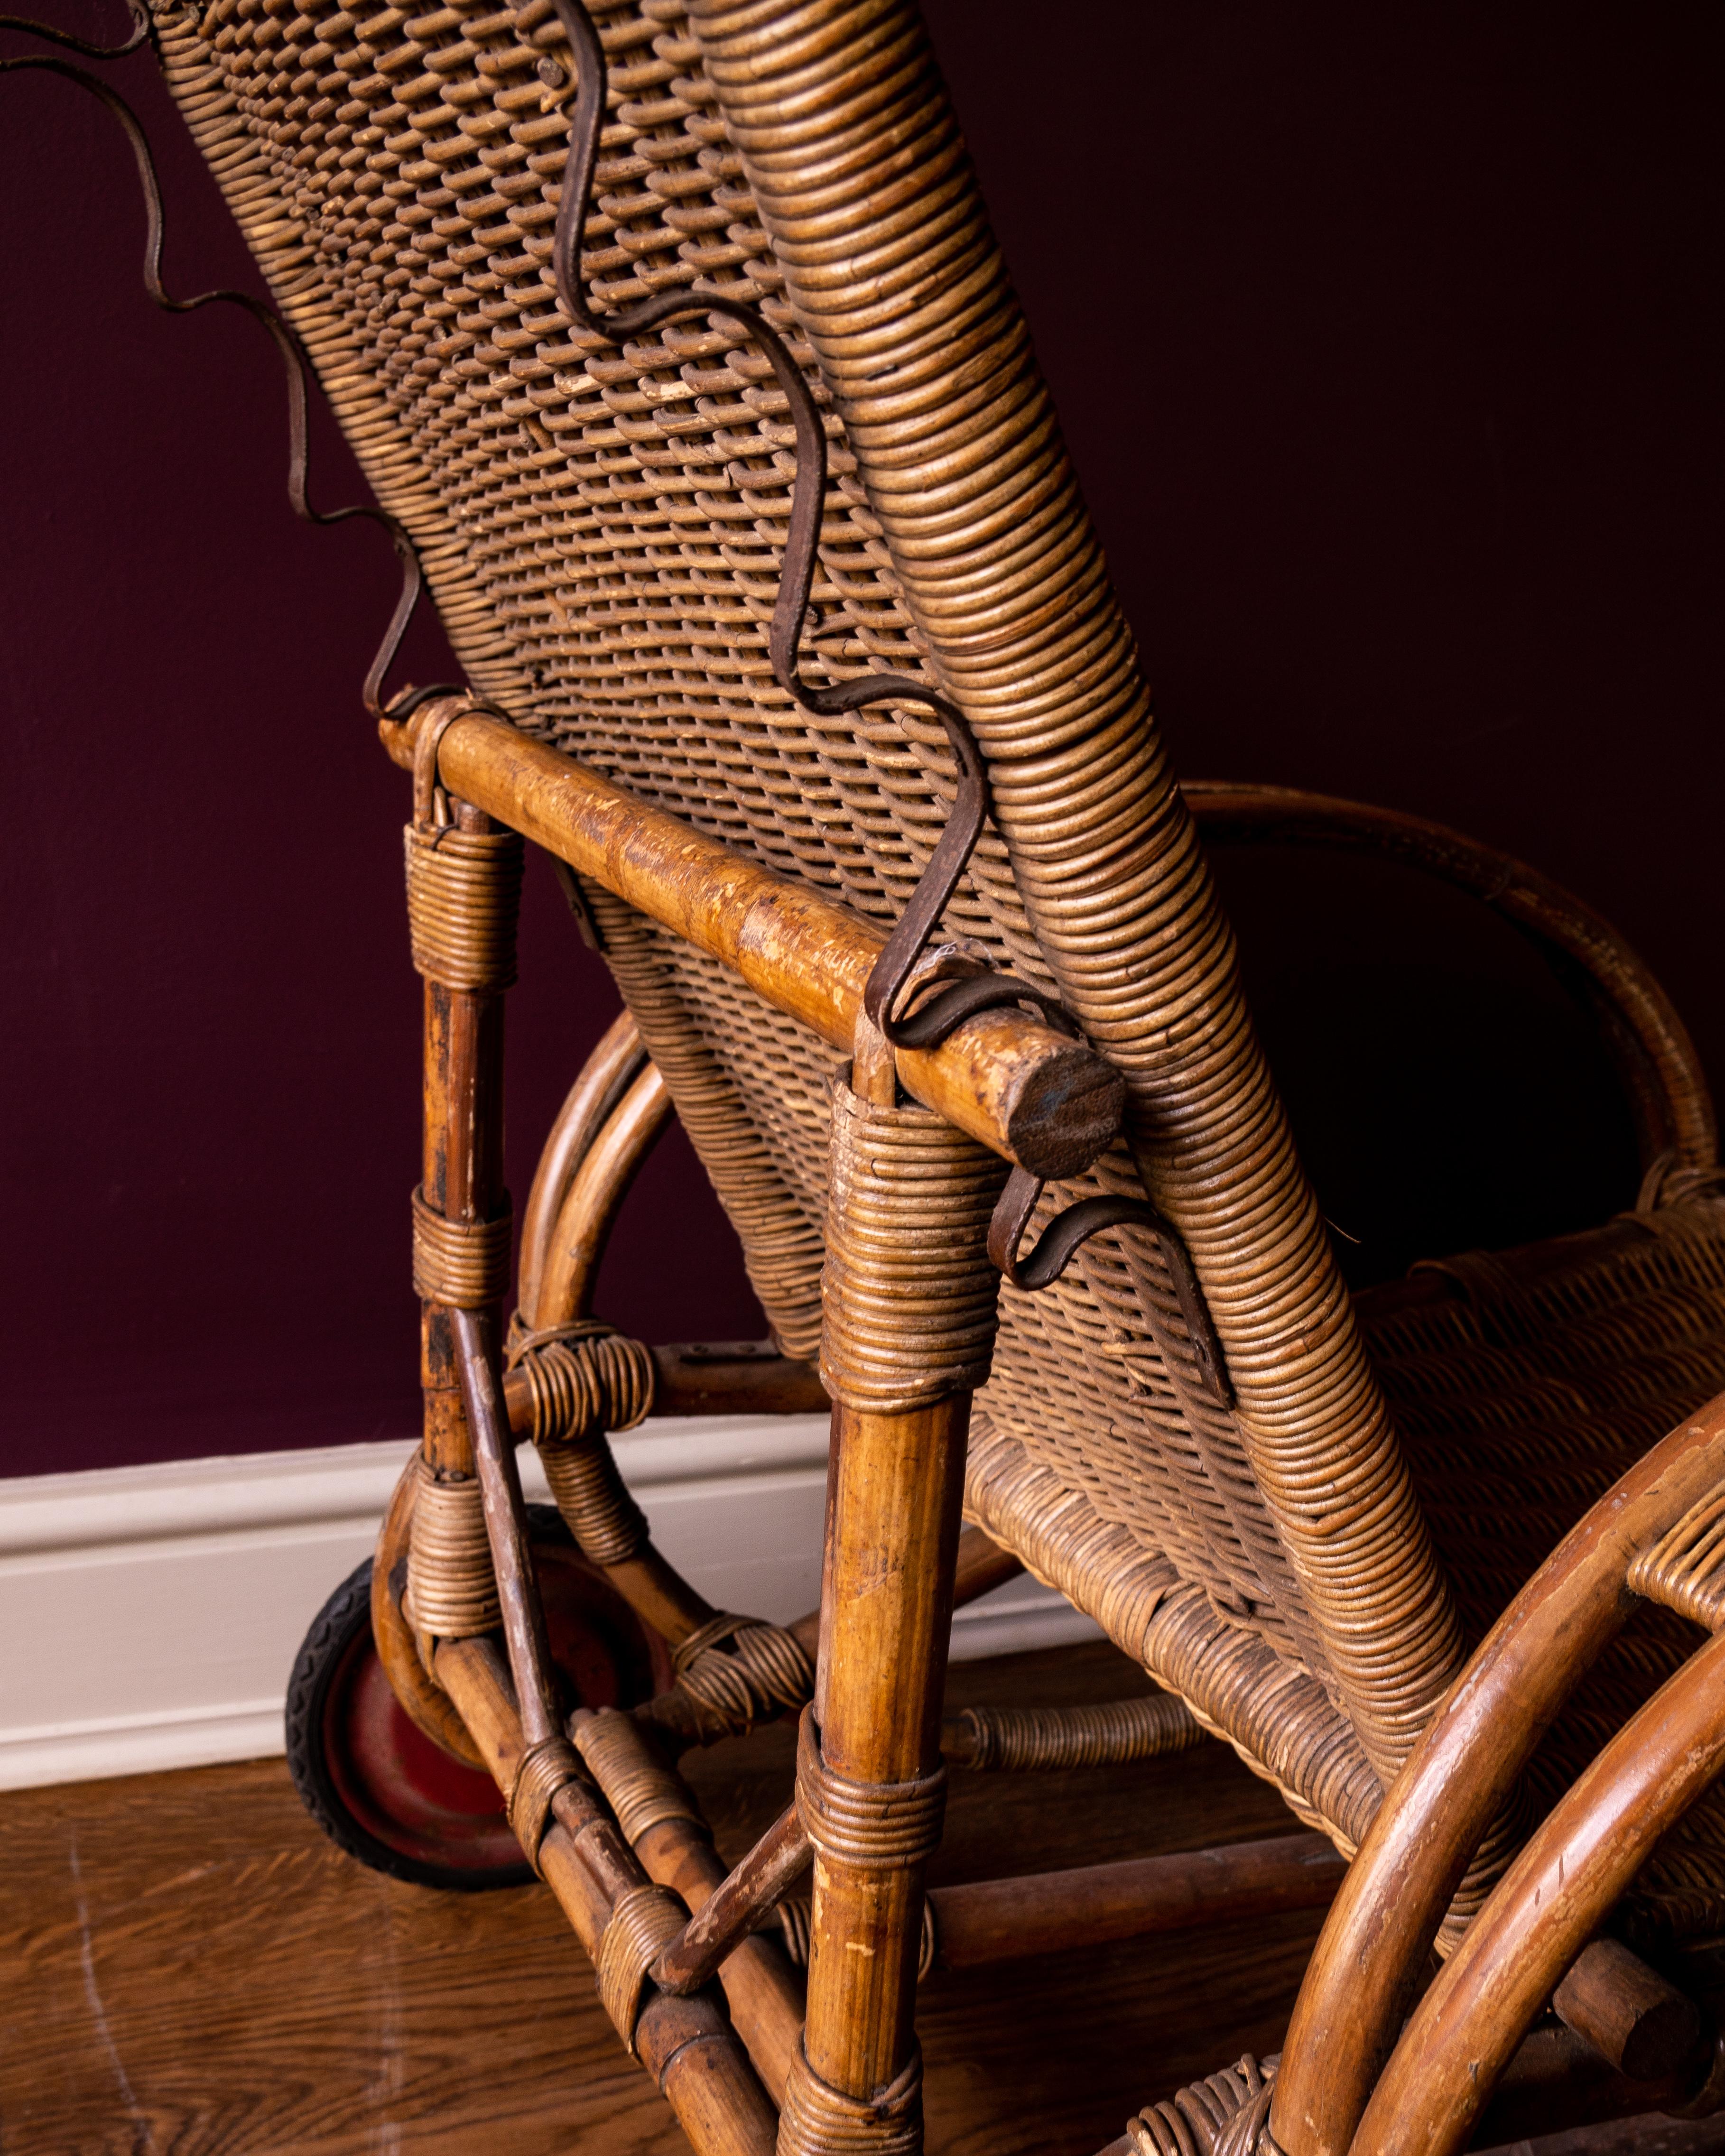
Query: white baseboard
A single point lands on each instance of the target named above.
(160, 1608)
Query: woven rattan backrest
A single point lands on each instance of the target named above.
(602, 529)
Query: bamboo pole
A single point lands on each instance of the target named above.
(1363, 1974)
(596, 1092)
(461, 1168)
(577, 1240)
(1577, 1863)
(1011, 1082)
(1634, 2019)
(764, 1990)
(754, 1885)
(685, 2045)
(994, 1920)
(898, 1487)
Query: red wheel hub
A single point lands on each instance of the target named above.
(409, 1793)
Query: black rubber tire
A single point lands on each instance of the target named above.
(344, 1621)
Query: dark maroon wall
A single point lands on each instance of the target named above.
(1387, 342)
(208, 1068)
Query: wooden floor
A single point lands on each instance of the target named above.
(188, 1969)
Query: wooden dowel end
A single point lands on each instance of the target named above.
(1632, 2018)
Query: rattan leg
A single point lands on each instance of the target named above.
(463, 882)
(686, 2045)
(658, 1815)
(883, 1661)
(909, 1300)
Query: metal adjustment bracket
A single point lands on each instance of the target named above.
(911, 962)
(1059, 1244)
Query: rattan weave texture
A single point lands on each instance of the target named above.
(1522, 1396)
(603, 528)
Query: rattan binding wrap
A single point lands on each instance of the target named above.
(462, 1264)
(1029, 1738)
(880, 1826)
(602, 529)
(735, 1672)
(584, 1379)
(644, 1919)
(640, 1792)
(464, 896)
(908, 1291)
(1686, 1570)
(818, 2120)
(1226, 2115)
(541, 1773)
(452, 1588)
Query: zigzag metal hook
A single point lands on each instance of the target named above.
(939, 1015)
(294, 364)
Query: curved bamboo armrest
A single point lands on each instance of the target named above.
(1648, 1041)
(1348, 2023)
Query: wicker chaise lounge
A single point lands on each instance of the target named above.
(759, 721)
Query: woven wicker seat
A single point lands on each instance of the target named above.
(1307, 1563)
(1521, 1395)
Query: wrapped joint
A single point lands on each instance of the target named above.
(1686, 1570)
(908, 1293)
(584, 1379)
(876, 1826)
(1230, 2112)
(464, 896)
(460, 1263)
(645, 1920)
(818, 2120)
(1030, 1739)
(593, 1498)
(542, 1771)
(766, 1672)
(452, 1588)
(640, 1792)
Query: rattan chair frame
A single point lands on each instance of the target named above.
(602, 523)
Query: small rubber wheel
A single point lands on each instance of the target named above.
(381, 1788)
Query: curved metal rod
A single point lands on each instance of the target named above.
(1647, 1039)
(1059, 1243)
(934, 1017)
(1369, 1960)
(945, 1011)
(140, 31)
(294, 363)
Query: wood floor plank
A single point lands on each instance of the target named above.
(188, 1969)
